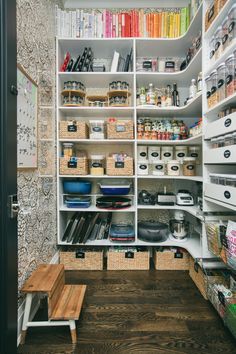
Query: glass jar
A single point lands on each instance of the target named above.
(221, 180)
(189, 166)
(225, 34)
(230, 181)
(97, 165)
(212, 48)
(97, 129)
(228, 139)
(232, 24)
(154, 153)
(150, 95)
(221, 141)
(167, 153)
(208, 90)
(173, 168)
(147, 125)
(221, 75)
(218, 42)
(143, 168)
(67, 149)
(214, 144)
(213, 88)
(181, 152)
(158, 168)
(214, 178)
(142, 153)
(194, 151)
(230, 64)
(140, 125)
(142, 96)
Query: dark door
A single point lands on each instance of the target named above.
(8, 163)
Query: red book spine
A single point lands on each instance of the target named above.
(123, 25)
(120, 23)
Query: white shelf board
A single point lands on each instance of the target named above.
(179, 77)
(194, 178)
(226, 102)
(190, 141)
(192, 109)
(97, 111)
(99, 243)
(99, 210)
(222, 204)
(96, 80)
(191, 244)
(193, 210)
(219, 18)
(99, 141)
(214, 64)
(123, 4)
(94, 176)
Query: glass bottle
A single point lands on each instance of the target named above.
(142, 96)
(192, 89)
(175, 96)
(199, 82)
(168, 96)
(151, 96)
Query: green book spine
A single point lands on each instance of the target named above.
(183, 21)
(187, 17)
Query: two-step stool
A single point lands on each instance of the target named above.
(64, 301)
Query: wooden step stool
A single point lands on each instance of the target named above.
(64, 301)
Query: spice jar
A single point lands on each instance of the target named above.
(218, 42)
(167, 153)
(221, 75)
(181, 152)
(140, 125)
(158, 168)
(142, 96)
(97, 165)
(173, 168)
(154, 153)
(232, 24)
(213, 88)
(189, 166)
(225, 37)
(67, 149)
(208, 90)
(230, 64)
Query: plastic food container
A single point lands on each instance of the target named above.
(228, 139)
(67, 149)
(212, 48)
(142, 168)
(225, 37)
(97, 129)
(167, 153)
(189, 166)
(213, 87)
(77, 186)
(230, 181)
(208, 90)
(154, 153)
(214, 178)
(194, 151)
(232, 24)
(173, 168)
(142, 153)
(114, 187)
(158, 168)
(97, 165)
(78, 202)
(214, 143)
(218, 42)
(181, 152)
(221, 141)
(221, 75)
(230, 64)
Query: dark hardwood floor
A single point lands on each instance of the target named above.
(158, 312)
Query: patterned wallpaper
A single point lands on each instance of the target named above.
(37, 188)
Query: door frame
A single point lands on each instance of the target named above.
(8, 177)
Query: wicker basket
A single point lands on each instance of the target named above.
(127, 260)
(73, 130)
(114, 168)
(73, 166)
(199, 278)
(170, 260)
(120, 129)
(82, 260)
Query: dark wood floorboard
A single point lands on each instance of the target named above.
(140, 312)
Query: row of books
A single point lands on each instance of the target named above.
(84, 226)
(150, 23)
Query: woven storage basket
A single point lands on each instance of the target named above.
(170, 260)
(120, 129)
(80, 167)
(127, 260)
(198, 277)
(114, 168)
(73, 130)
(82, 260)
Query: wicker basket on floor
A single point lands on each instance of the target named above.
(127, 260)
(171, 260)
(82, 260)
(198, 277)
(73, 129)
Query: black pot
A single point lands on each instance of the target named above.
(152, 231)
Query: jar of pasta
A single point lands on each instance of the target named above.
(230, 64)
(189, 166)
(97, 165)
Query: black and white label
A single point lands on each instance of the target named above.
(178, 255)
(181, 154)
(147, 64)
(80, 254)
(97, 129)
(72, 128)
(120, 128)
(213, 89)
(212, 53)
(224, 39)
(227, 154)
(143, 154)
(217, 45)
(220, 83)
(208, 94)
(190, 167)
(159, 167)
(169, 64)
(143, 167)
(211, 13)
(227, 194)
(119, 164)
(174, 168)
(167, 154)
(194, 154)
(229, 79)
(72, 164)
(129, 254)
(231, 27)
(154, 154)
(96, 164)
(228, 122)
(221, 298)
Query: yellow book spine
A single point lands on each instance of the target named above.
(166, 25)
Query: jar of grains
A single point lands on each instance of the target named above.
(232, 24)
(213, 88)
(218, 42)
(173, 168)
(230, 64)
(208, 90)
(221, 75)
(189, 166)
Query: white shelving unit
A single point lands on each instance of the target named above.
(104, 48)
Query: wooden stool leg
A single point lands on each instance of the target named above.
(28, 302)
(73, 332)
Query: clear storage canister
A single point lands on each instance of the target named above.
(221, 75)
(158, 168)
(234, 138)
(142, 153)
(230, 181)
(212, 48)
(97, 165)
(195, 151)
(181, 152)
(218, 42)
(167, 153)
(232, 24)
(97, 128)
(228, 139)
(221, 141)
(221, 180)
(154, 153)
(230, 65)
(214, 178)
(225, 34)
(213, 88)
(173, 168)
(208, 90)
(214, 143)
(189, 166)
(67, 149)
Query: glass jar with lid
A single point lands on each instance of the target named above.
(181, 152)
(225, 34)
(218, 42)
(173, 168)
(212, 47)
(230, 64)
(221, 75)
(208, 90)
(151, 95)
(67, 149)
(189, 166)
(232, 24)
(97, 165)
(213, 88)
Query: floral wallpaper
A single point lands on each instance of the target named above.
(37, 188)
